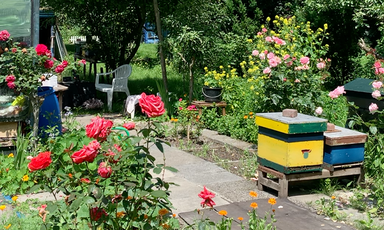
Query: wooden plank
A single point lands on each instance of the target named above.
(271, 124)
(291, 137)
(8, 129)
(269, 183)
(270, 171)
(344, 137)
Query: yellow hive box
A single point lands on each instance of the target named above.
(290, 144)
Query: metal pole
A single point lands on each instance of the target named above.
(35, 22)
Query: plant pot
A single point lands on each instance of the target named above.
(212, 94)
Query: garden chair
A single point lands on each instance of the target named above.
(119, 82)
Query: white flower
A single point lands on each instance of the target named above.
(319, 110)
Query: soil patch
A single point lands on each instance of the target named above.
(237, 161)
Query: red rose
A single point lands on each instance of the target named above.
(129, 125)
(10, 78)
(48, 64)
(59, 69)
(41, 161)
(87, 153)
(97, 213)
(151, 105)
(82, 62)
(4, 35)
(85, 180)
(14, 50)
(11, 85)
(104, 170)
(99, 128)
(41, 49)
(64, 63)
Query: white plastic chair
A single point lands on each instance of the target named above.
(119, 82)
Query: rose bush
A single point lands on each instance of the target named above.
(105, 176)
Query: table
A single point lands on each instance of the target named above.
(60, 91)
(203, 104)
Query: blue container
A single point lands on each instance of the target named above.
(49, 111)
(344, 154)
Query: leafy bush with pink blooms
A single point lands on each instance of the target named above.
(101, 176)
(287, 65)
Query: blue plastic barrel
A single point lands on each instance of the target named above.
(49, 111)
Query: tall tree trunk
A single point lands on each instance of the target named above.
(160, 36)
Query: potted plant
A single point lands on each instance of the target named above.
(212, 88)
(24, 69)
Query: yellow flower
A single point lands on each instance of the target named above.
(8, 226)
(249, 41)
(253, 193)
(10, 155)
(333, 197)
(253, 205)
(2, 207)
(272, 201)
(268, 19)
(245, 117)
(25, 178)
(163, 212)
(14, 198)
(325, 26)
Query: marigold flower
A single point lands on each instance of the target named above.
(240, 218)
(174, 215)
(333, 197)
(163, 212)
(25, 178)
(2, 207)
(253, 194)
(10, 155)
(222, 213)
(70, 175)
(14, 198)
(253, 205)
(272, 201)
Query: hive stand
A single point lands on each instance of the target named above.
(281, 185)
(201, 104)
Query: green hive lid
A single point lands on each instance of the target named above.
(359, 85)
(300, 124)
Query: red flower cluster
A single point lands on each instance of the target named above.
(41, 161)
(151, 105)
(97, 213)
(207, 198)
(42, 50)
(10, 79)
(99, 128)
(87, 153)
(130, 125)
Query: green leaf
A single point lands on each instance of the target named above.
(159, 194)
(157, 170)
(373, 130)
(83, 211)
(159, 146)
(172, 169)
(92, 166)
(75, 204)
(34, 188)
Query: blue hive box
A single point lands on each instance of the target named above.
(343, 146)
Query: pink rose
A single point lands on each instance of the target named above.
(48, 64)
(268, 39)
(191, 107)
(59, 69)
(377, 64)
(286, 57)
(272, 62)
(262, 56)
(4, 35)
(340, 90)
(11, 85)
(265, 51)
(377, 84)
(82, 62)
(319, 110)
(151, 105)
(180, 99)
(255, 53)
(87, 153)
(267, 70)
(10, 78)
(270, 55)
(297, 81)
(333, 95)
(259, 33)
(99, 128)
(264, 30)
(320, 65)
(129, 125)
(41, 49)
(85, 180)
(373, 107)
(14, 50)
(289, 63)
(104, 170)
(285, 79)
(304, 60)
(376, 94)
(117, 147)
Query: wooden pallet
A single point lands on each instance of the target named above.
(201, 104)
(280, 184)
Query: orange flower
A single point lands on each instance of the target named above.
(245, 117)
(145, 216)
(250, 113)
(163, 212)
(253, 194)
(129, 197)
(70, 175)
(253, 205)
(223, 213)
(333, 197)
(240, 218)
(272, 201)
(174, 215)
(97, 181)
(165, 226)
(273, 210)
(120, 214)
